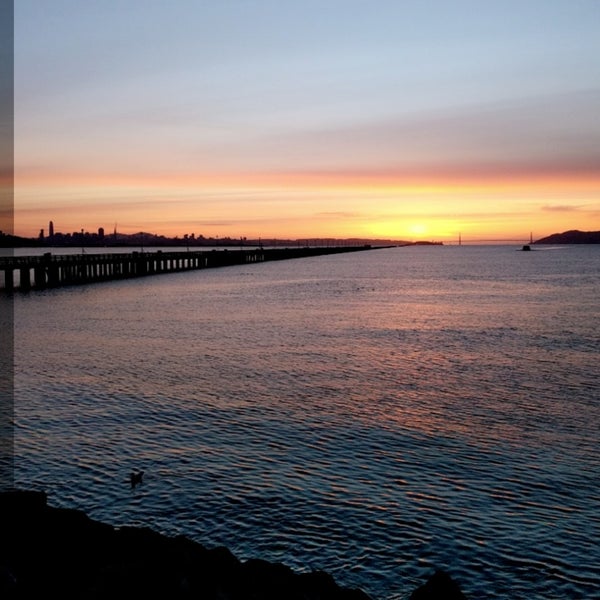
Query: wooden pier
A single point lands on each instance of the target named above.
(48, 270)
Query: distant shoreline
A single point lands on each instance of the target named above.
(142, 239)
(136, 240)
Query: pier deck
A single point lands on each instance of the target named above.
(48, 270)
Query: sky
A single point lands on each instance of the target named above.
(396, 119)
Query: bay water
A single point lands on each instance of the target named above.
(376, 415)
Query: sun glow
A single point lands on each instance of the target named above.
(299, 206)
(417, 229)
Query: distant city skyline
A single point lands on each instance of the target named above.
(385, 119)
(101, 232)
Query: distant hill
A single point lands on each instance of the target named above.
(573, 236)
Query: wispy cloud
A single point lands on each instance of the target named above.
(561, 208)
(559, 133)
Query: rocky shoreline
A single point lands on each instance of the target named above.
(54, 552)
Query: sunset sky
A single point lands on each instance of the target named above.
(314, 118)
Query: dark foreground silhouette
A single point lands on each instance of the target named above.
(50, 552)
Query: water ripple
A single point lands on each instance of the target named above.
(376, 423)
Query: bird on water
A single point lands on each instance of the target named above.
(136, 478)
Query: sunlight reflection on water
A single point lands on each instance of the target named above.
(374, 415)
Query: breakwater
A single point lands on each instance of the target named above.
(48, 270)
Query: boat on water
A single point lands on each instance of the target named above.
(527, 247)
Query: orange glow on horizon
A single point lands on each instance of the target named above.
(388, 205)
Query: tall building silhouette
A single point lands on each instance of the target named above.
(51, 229)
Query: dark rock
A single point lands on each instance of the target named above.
(440, 586)
(52, 552)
